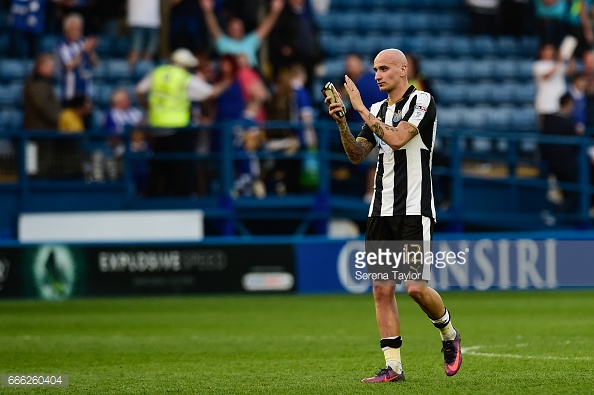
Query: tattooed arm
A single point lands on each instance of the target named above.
(394, 136)
(356, 150)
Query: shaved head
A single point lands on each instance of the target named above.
(391, 55)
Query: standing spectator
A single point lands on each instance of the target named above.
(485, 16)
(253, 89)
(549, 72)
(187, 29)
(233, 107)
(77, 59)
(355, 69)
(577, 90)
(171, 88)
(236, 41)
(41, 109)
(122, 116)
(246, 10)
(562, 158)
(27, 18)
(80, 7)
(72, 116)
(579, 24)
(144, 19)
(416, 76)
(550, 20)
(296, 39)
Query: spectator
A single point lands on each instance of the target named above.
(549, 72)
(170, 89)
(236, 41)
(70, 160)
(577, 90)
(144, 19)
(77, 58)
(579, 25)
(253, 89)
(79, 7)
(296, 39)
(72, 116)
(41, 110)
(292, 102)
(588, 70)
(550, 20)
(485, 16)
(246, 10)
(233, 107)
(121, 115)
(561, 159)
(416, 77)
(355, 68)
(41, 107)
(187, 29)
(27, 19)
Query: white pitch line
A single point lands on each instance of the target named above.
(471, 351)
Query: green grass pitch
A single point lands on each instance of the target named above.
(529, 342)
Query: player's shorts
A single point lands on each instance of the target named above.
(390, 231)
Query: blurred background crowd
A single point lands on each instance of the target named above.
(128, 65)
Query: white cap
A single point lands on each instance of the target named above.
(184, 57)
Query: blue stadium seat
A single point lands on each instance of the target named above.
(439, 46)
(49, 42)
(11, 94)
(416, 44)
(102, 94)
(419, 21)
(525, 93)
(104, 48)
(118, 69)
(524, 118)
(503, 93)
(142, 68)
(348, 22)
(508, 46)
(392, 21)
(484, 46)
(325, 21)
(10, 119)
(434, 69)
(370, 22)
(451, 93)
(506, 69)
(14, 69)
(461, 46)
(334, 68)
(529, 45)
(449, 117)
(479, 93)
(482, 69)
(101, 71)
(475, 118)
(458, 69)
(500, 118)
(525, 69)
(97, 119)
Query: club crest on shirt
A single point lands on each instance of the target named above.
(397, 116)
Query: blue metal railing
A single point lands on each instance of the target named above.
(313, 209)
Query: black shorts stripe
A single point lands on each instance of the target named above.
(426, 188)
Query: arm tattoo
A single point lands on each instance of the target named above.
(378, 127)
(410, 129)
(356, 150)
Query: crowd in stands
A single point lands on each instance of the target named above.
(247, 61)
(210, 61)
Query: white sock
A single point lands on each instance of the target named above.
(444, 324)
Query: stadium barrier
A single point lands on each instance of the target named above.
(498, 261)
(503, 197)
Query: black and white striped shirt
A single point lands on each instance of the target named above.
(403, 177)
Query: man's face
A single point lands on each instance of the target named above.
(353, 66)
(235, 29)
(73, 30)
(121, 100)
(388, 71)
(47, 68)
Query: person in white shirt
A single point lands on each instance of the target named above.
(549, 73)
(144, 20)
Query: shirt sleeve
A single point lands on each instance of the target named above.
(368, 135)
(421, 108)
(198, 89)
